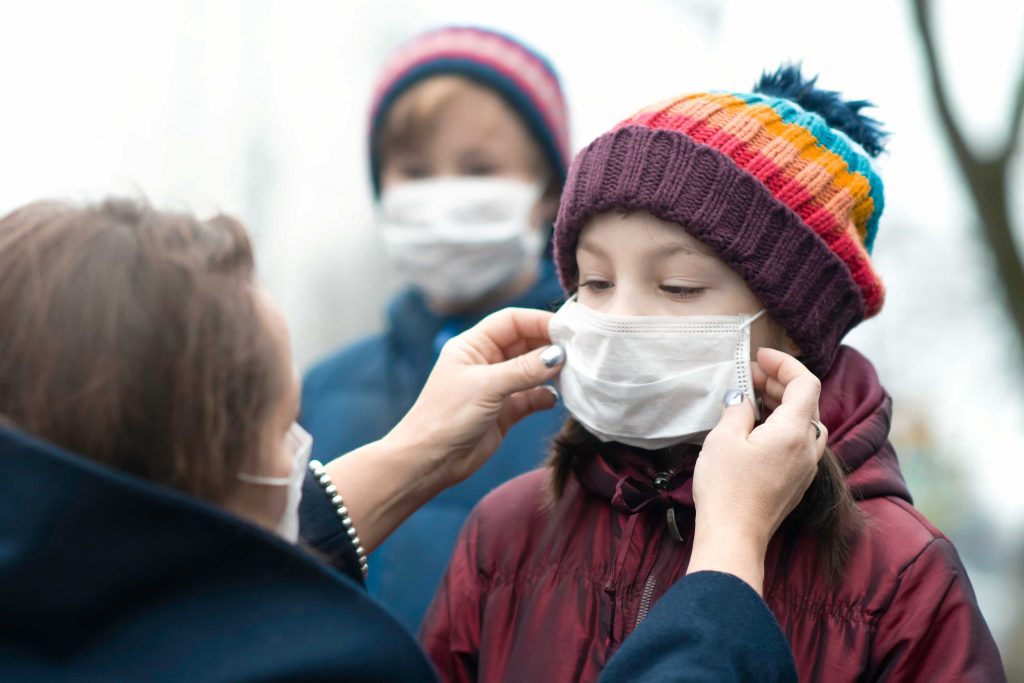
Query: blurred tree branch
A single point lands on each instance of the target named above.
(987, 175)
(1017, 114)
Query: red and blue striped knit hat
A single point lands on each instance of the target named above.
(525, 79)
(779, 182)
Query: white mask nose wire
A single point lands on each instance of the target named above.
(750, 321)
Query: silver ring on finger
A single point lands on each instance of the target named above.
(819, 429)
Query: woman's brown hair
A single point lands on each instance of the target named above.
(133, 337)
(827, 511)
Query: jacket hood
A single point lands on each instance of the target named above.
(104, 574)
(858, 413)
(853, 405)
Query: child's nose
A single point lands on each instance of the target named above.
(630, 299)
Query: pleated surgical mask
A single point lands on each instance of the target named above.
(458, 239)
(650, 381)
(298, 444)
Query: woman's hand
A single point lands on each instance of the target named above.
(747, 480)
(485, 380)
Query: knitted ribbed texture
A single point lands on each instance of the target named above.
(521, 75)
(807, 287)
(814, 170)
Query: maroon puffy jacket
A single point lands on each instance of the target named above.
(547, 593)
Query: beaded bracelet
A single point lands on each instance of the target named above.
(317, 468)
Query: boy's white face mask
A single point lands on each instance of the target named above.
(460, 238)
(298, 444)
(650, 381)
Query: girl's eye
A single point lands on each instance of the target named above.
(682, 292)
(596, 285)
(414, 172)
(479, 170)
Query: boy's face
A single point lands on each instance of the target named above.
(473, 132)
(634, 264)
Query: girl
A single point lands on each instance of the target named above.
(696, 231)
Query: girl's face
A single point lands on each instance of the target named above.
(634, 264)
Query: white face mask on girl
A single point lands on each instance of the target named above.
(650, 381)
(460, 238)
(298, 444)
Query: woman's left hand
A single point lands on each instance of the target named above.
(749, 478)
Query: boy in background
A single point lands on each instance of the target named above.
(469, 148)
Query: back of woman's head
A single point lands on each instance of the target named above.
(134, 337)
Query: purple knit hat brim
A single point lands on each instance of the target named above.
(804, 285)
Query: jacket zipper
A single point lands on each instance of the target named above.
(652, 581)
(661, 480)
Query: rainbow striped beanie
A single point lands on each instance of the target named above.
(522, 76)
(779, 182)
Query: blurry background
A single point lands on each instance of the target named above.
(258, 108)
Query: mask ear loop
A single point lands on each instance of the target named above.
(264, 481)
(750, 321)
(301, 446)
(758, 406)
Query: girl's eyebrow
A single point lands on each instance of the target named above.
(668, 247)
(474, 154)
(679, 247)
(661, 250)
(592, 248)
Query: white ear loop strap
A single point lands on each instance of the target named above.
(751, 319)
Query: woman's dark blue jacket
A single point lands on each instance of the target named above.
(105, 577)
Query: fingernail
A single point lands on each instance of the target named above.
(552, 390)
(733, 397)
(552, 356)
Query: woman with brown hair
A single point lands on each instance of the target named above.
(152, 469)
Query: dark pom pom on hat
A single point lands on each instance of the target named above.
(788, 82)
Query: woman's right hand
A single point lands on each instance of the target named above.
(486, 379)
(748, 479)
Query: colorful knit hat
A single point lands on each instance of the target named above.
(773, 181)
(522, 76)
